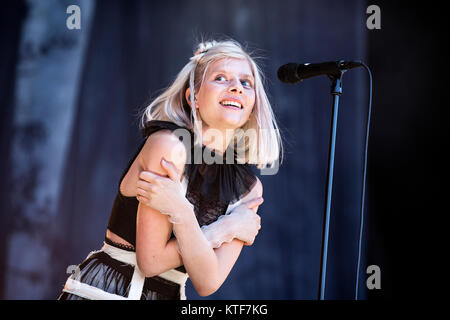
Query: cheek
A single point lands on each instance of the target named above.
(209, 94)
(251, 100)
(212, 88)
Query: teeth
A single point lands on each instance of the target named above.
(233, 103)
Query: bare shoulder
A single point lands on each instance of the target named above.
(162, 144)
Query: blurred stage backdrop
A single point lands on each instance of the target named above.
(69, 104)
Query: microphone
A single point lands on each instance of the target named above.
(293, 72)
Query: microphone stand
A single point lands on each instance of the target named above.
(336, 92)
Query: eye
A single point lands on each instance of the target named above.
(246, 83)
(218, 77)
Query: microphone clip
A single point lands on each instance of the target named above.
(336, 78)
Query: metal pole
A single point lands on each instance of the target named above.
(336, 91)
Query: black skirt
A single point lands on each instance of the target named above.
(113, 276)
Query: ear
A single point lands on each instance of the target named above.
(187, 96)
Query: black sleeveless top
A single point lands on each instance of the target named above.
(211, 187)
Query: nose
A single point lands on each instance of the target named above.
(236, 86)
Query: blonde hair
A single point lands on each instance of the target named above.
(172, 106)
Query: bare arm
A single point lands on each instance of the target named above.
(207, 268)
(153, 229)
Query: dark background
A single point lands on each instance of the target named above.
(69, 100)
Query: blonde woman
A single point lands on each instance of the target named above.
(178, 215)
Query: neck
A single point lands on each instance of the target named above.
(216, 139)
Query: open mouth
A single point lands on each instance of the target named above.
(231, 104)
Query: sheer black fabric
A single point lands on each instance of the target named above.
(102, 271)
(212, 187)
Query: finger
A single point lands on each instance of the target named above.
(148, 176)
(171, 169)
(142, 193)
(215, 244)
(144, 185)
(254, 202)
(141, 199)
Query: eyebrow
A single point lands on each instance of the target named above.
(241, 74)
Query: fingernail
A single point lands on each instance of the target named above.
(164, 161)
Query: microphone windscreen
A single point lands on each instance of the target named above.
(288, 73)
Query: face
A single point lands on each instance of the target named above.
(226, 81)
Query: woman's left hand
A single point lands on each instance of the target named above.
(165, 194)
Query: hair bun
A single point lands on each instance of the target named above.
(204, 46)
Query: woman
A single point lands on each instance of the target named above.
(175, 217)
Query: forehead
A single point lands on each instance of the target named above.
(231, 65)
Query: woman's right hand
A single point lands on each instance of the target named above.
(247, 223)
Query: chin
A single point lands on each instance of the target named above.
(230, 124)
(225, 121)
(230, 119)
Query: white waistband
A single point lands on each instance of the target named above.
(83, 290)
